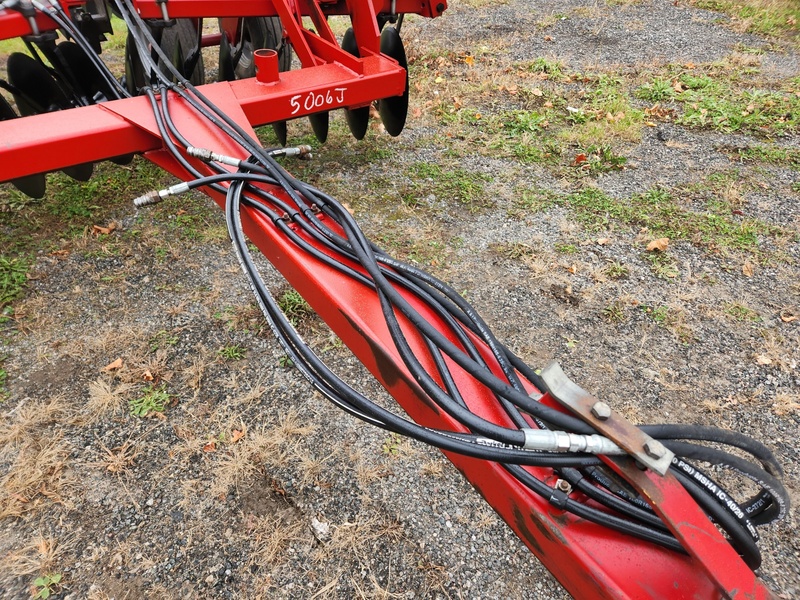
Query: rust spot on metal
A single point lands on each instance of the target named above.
(521, 527)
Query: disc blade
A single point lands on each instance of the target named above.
(357, 119)
(32, 185)
(226, 71)
(82, 172)
(40, 92)
(319, 123)
(393, 111)
(280, 131)
(83, 70)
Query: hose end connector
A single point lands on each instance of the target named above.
(147, 199)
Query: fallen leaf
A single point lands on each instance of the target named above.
(548, 104)
(678, 86)
(573, 268)
(470, 60)
(747, 269)
(763, 360)
(210, 447)
(787, 316)
(99, 230)
(147, 376)
(603, 241)
(416, 113)
(537, 92)
(548, 38)
(438, 80)
(580, 158)
(113, 365)
(659, 245)
(236, 435)
(650, 124)
(180, 212)
(60, 253)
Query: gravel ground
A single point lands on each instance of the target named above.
(251, 485)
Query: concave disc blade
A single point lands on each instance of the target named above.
(393, 110)
(280, 131)
(358, 118)
(83, 70)
(319, 123)
(40, 92)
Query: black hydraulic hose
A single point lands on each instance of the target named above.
(596, 516)
(740, 538)
(722, 436)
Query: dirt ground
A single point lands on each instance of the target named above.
(547, 146)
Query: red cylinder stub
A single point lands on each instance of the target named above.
(266, 65)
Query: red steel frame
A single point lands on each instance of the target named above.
(589, 560)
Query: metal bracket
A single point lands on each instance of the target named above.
(648, 451)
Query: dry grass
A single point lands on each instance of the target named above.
(271, 536)
(35, 475)
(39, 556)
(786, 403)
(29, 418)
(105, 398)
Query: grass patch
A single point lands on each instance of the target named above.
(451, 184)
(659, 211)
(768, 17)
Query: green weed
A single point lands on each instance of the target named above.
(616, 270)
(657, 90)
(154, 399)
(740, 312)
(13, 277)
(47, 585)
(232, 352)
(162, 339)
(294, 306)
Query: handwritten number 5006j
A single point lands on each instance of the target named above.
(312, 100)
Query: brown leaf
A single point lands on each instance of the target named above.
(580, 158)
(60, 253)
(747, 269)
(573, 268)
(659, 245)
(787, 315)
(147, 376)
(763, 360)
(210, 447)
(537, 92)
(99, 230)
(548, 38)
(678, 86)
(237, 435)
(469, 60)
(603, 241)
(113, 365)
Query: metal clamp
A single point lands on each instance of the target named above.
(648, 451)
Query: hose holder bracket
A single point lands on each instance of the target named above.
(646, 450)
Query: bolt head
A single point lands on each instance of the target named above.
(601, 410)
(654, 449)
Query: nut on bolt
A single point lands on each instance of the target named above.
(654, 449)
(562, 485)
(601, 410)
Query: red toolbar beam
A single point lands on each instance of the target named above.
(590, 560)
